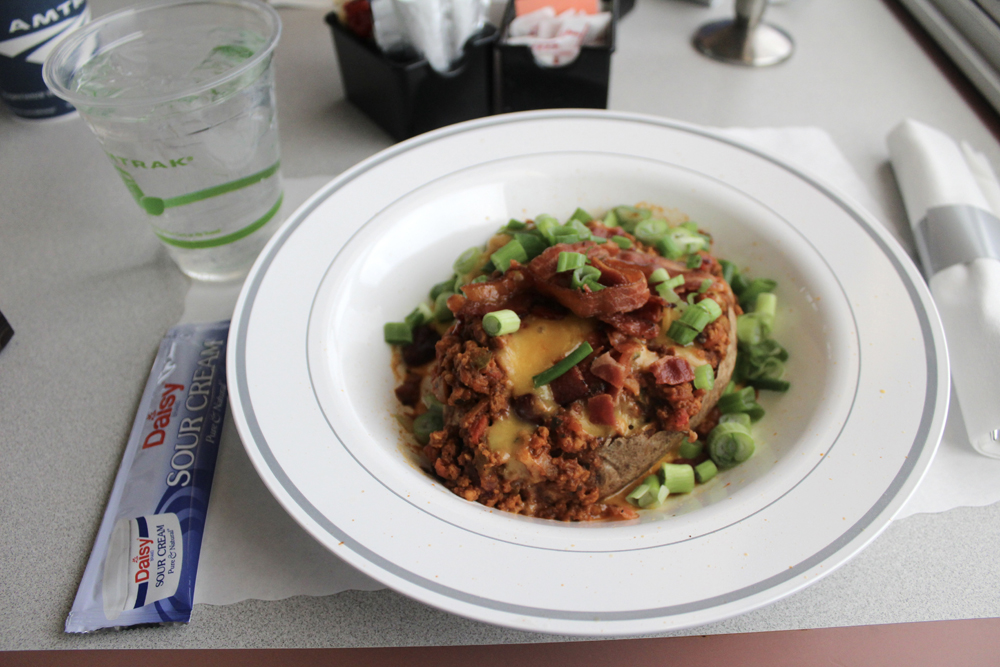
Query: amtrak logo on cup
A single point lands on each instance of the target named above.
(29, 30)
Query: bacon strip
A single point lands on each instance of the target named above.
(569, 386)
(625, 287)
(642, 322)
(606, 368)
(601, 409)
(671, 370)
(511, 290)
(649, 262)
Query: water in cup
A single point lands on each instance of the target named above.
(183, 105)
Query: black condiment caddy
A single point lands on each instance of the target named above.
(406, 97)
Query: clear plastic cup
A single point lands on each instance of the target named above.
(181, 96)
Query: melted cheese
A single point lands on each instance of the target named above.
(508, 435)
(600, 430)
(691, 353)
(669, 315)
(694, 355)
(537, 346)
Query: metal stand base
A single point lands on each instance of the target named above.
(732, 42)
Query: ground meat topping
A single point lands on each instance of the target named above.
(537, 453)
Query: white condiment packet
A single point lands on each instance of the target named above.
(556, 40)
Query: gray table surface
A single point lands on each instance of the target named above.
(90, 293)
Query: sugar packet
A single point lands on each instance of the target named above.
(145, 558)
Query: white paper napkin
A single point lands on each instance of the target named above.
(947, 190)
(252, 549)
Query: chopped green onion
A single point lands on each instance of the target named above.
(659, 492)
(730, 443)
(641, 496)
(570, 260)
(705, 471)
(667, 293)
(738, 417)
(442, 313)
(682, 333)
(770, 367)
(751, 329)
(689, 241)
(704, 377)
(690, 225)
(502, 257)
(630, 216)
(653, 483)
(696, 317)
(422, 314)
(427, 423)
(430, 400)
(446, 286)
(501, 322)
(770, 384)
(766, 307)
(648, 494)
(622, 242)
(467, 261)
(744, 400)
(547, 225)
(533, 244)
(766, 304)
(748, 296)
(739, 283)
(706, 284)
(586, 275)
(397, 333)
(690, 450)
(581, 229)
(662, 494)
(738, 401)
(567, 235)
(480, 279)
(676, 281)
(581, 215)
(700, 315)
(669, 248)
(755, 412)
(712, 307)
(651, 230)
(678, 477)
(513, 226)
(659, 276)
(729, 270)
(693, 261)
(768, 348)
(561, 367)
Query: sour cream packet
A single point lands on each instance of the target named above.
(143, 565)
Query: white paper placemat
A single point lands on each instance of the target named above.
(252, 549)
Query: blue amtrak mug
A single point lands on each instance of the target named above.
(29, 30)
